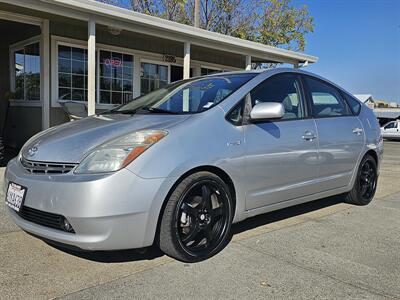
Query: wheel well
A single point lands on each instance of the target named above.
(373, 154)
(212, 169)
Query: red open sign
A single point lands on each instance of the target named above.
(115, 62)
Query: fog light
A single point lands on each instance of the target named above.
(67, 226)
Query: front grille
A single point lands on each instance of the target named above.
(38, 167)
(43, 218)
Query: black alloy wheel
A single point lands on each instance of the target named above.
(366, 182)
(197, 218)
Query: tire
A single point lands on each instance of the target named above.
(365, 184)
(196, 222)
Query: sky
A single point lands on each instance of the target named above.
(358, 45)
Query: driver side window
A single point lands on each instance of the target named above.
(282, 88)
(391, 125)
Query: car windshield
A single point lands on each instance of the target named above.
(187, 96)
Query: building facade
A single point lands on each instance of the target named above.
(55, 51)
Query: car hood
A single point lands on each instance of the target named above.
(70, 142)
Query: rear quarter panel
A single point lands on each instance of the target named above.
(372, 131)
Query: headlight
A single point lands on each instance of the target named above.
(120, 152)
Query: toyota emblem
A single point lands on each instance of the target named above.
(32, 151)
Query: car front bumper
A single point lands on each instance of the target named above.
(107, 212)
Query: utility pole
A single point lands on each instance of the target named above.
(197, 13)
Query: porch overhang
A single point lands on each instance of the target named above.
(124, 19)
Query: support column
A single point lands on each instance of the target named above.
(45, 73)
(296, 65)
(186, 61)
(91, 67)
(136, 76)
(186, 75)
(196, 71)
(248, 63)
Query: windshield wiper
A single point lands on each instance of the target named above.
(125, 112)
(147, 109)
(158, 110)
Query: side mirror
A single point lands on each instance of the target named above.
(267, 111)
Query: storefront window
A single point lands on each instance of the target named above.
(206, 71)
(27, 72)
(153, 77)
(72, 73)
(116, 77)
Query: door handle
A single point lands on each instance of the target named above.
(309, 136)
(357, 131)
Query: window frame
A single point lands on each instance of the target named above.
(56, 78)
(12, 49)
(310, 100)
(303, 98)
(154, 62)
(56, 42)
(139, 56)
(242, 102)
(345, 95)
(115, 50)
(392, 122)
(61, 41)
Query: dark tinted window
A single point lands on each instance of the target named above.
(391, 125)
(236, 114)
(284, 89)
(354, 103)
(326, 99)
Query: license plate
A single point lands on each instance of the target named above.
(15, 196)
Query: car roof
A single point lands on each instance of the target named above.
(274, 71)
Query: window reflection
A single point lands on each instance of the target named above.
(153, 77)
(72, 73)
(27, 73)
(116, 75)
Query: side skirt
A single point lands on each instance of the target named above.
(284, 204)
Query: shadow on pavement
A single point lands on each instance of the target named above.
(285, 213)
(153, 252)
(120, 256)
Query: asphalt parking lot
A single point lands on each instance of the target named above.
(324, 249)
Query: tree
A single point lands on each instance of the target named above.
(173, 10)
(283, 25)
(271, 22)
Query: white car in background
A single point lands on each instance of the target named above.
(391, 131)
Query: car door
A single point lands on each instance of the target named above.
(281, 155)
(391, 130)
(340, 134)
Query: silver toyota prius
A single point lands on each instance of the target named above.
(178, 166)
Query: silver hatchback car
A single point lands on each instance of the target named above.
(178, 166)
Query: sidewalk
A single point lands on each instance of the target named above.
(324, 249)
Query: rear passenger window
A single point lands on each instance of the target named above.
(326, 100)
(283, 88)
(354, 104)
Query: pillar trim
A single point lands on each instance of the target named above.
(91, 67)
(45, 73)
(186, 61)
